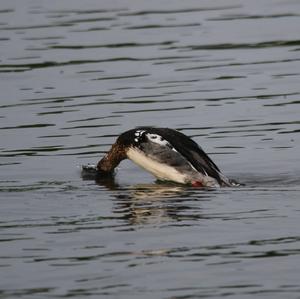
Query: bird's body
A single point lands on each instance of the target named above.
(166, 153)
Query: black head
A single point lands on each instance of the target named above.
(133, 137)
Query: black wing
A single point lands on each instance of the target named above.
(190, 150)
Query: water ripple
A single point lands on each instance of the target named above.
(74, 78)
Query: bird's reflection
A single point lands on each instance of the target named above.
(149, 203)
(154, 203)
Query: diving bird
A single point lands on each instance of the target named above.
(166, 153)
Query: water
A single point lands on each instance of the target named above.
(75, 74)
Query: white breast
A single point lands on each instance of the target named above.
(159, 170)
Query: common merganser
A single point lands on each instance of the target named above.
(166, 153)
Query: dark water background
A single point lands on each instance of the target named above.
(75, 74)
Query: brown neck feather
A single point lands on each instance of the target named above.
(111, 160)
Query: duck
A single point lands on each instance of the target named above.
(167, 154)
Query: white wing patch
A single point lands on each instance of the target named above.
(155, 138)
(158, 139)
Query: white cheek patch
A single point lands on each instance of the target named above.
(138, 134)
(158, 139)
